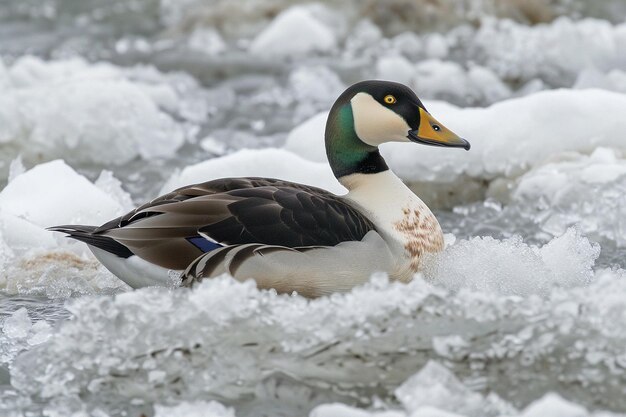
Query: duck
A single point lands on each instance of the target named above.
(287, 236)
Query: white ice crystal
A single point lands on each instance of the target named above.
(42, 195)
(18, 324)
(194, 409)
(294, 31)
(84, 112)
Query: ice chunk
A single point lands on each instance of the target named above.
(16, 168)
(342, 410)
(436, 46)
(207, 40)
(554, 406)
(94, 113)
(53, 193)
(314, 88)
(576, 189)
(194, 409)
(18, 325)
(23, 235)
(428, 411)
(307, 139)
(272, 163)
(614, 80)
(395, 68)
(408, 44)
(113, 188)
(435, 386)
(555, 52)
(489, 88)
(213, 146)
(294, 31)
(511, 267)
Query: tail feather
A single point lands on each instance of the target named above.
(86, 234)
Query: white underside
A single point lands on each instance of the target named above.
(135, 271)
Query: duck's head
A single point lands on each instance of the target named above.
(370, 113)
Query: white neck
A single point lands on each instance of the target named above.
(401, 217)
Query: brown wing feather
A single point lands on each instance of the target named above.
(235, 211)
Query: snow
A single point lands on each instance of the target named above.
(270, 163)
(395, 68)
(554, 406)
(42, 262)
(194, 409)
(307, 139)
(294, 31)
(206, 40)
(435, 386)
(17, 325)
(447, 80)
(52, 194)
(556, 52)
(614, 80)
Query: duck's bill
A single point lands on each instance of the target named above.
(431, 132)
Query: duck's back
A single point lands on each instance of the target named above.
(174, 229)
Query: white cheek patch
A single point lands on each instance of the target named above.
(375, 123)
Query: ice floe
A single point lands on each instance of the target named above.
(40, 262)
(294, 31)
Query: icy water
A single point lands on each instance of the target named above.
(106, 104)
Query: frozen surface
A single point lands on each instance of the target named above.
(523, 314)
(355, 345)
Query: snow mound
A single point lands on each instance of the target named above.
(508, 138)
(550, 405)
(257, 346)
(93, 113)
(295, 31)
(270, 163)
(53, 193)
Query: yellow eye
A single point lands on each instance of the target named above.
(389, 99)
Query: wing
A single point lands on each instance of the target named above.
(311, 271)
(176, 228)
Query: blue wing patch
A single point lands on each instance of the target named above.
(203, 244)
